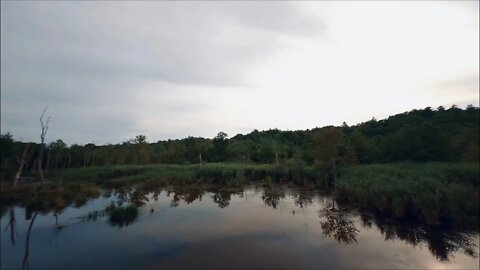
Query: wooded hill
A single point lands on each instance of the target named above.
(418, 135)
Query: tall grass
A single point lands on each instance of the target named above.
(437, 193)
(434, 193)
(230, 174)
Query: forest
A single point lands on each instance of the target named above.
(419, 136)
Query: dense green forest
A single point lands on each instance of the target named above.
(418, 135)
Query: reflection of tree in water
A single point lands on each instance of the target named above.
(27, 243)
(190, 194)
(193, 194)
(138, 198)
(156, 193)
(337, 226)
(222, 198)
(186, 194)
(135, 196)
(441, 243)
(303, 199)
(122, 195)
(11, 224)
(271, 197)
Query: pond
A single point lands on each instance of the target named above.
(201, 227)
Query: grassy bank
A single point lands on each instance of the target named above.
(230, 174)
(433, 193)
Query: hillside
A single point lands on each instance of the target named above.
(419, 135)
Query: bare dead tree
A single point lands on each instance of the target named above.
(44, 126)
(21, 164)
(11, 224)
(27, 244)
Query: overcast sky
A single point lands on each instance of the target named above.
(111, 70)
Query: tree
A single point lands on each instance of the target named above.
(221, 136)
(220, 144)
(57, 147)
(44, 126)
(143, 149)
(7, 145)
(328, 142)
(88, 154)
(21, 164)
(238, 151)
(363, 148)
(140, 139)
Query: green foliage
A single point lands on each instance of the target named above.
(436, 193)
(419, 135)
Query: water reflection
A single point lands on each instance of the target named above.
(182, 193)
(272, 196)
(11, 225)
(303, 198)
(222, 198)
(441, 243)
(337, 225)
(27, 244)
(336, 222)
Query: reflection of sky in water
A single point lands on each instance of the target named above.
(245, 234)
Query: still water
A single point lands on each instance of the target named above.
(212, 228)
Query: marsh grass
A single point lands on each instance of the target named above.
(229, 174)
(436, 193)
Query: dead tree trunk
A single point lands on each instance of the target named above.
(21, 164)
(11, 225)
(44, 126)
(27, 244)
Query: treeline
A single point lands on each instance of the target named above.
(418, 135)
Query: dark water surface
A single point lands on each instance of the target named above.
(199, 228)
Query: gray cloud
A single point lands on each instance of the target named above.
(86, 60)
(471, 83)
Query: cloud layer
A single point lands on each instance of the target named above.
(111, 70)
